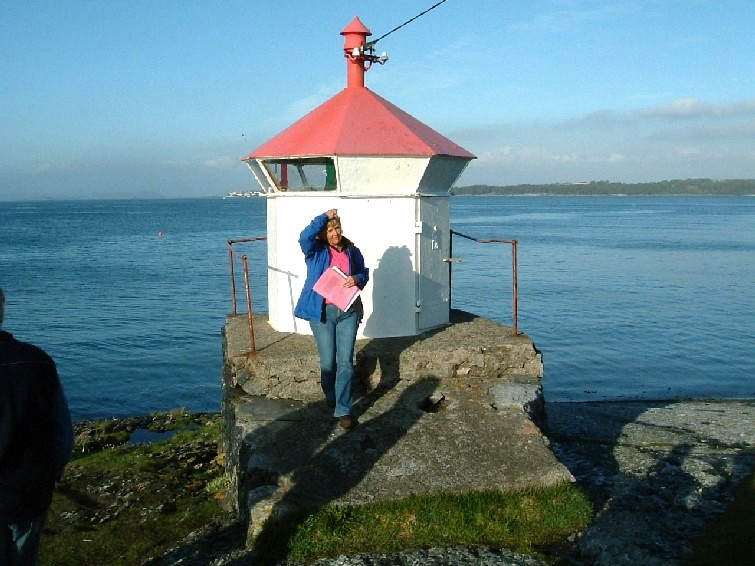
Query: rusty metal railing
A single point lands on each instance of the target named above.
(514, 275)
(232, 255)
(248, 288)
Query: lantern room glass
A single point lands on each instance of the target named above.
(303, 175)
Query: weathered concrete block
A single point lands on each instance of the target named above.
(266, 503)
(449, 410)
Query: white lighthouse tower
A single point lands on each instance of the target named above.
(388, 174)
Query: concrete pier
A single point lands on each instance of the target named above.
(454, 409)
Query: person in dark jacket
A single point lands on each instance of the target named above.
(335, 331)
(36, 439)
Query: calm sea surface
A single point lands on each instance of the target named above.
(627, 297)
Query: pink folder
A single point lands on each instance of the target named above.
(330, 286)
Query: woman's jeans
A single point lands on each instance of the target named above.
(335, 342)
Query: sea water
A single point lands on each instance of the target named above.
(626, 297)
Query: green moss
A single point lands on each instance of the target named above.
(125, 503)
(127, 541)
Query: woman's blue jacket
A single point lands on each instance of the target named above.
(317, 258)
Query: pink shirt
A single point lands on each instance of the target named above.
(340, 260)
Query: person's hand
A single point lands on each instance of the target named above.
(350, 281)
(332, 213)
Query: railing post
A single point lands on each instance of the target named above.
(249, 303)
(450, 266)
(233, 279)
(247, 285)
(515, 283)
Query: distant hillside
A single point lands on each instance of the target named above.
(730, 187)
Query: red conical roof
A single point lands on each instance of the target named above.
(358, 122)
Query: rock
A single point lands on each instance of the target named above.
(525, 396)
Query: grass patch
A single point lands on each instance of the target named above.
(125, 503)
(731, 540)
(523, 521)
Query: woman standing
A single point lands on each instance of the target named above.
(335, 331)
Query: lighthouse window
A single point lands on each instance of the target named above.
(312, 174)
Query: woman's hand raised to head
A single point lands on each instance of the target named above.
(332, 213)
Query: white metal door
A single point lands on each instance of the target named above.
(433, 290)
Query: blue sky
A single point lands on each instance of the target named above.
(162, 98)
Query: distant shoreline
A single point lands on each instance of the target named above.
(615, 195)
(454, 192)
(679, 187)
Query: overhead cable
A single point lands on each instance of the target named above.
(371, 43)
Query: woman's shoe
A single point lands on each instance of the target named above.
(346, 422)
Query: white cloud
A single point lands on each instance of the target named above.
(221, 162)
(535, 155)
(616, 157)
(687, 137)
(688, 151)
(303, 106)
(693, 107)
(574, 15)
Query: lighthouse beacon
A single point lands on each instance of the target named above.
(388, 174)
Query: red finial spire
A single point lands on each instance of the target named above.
(355, 36)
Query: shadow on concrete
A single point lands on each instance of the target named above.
(328, 467)
(658, 472)
(377, 370)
